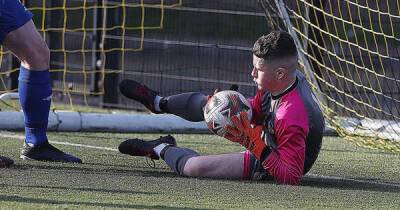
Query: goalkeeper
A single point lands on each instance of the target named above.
(283, 141)
(19, 35)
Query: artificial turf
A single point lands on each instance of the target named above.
(344, 176)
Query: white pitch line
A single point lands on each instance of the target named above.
(6, 134)
(84, 145)
(15, 136)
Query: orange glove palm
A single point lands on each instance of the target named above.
(244, 134)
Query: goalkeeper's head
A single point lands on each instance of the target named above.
(274, 62)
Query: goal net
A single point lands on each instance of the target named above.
(172, 46)
(349, 50)
(89, 41)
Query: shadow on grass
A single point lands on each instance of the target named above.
(71, 168)
(85, 189)
(28, 200)
(375, 152)
(128, 164)
(361, 184)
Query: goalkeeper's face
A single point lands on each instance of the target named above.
(263, 75)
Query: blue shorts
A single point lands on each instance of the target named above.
(12, 16)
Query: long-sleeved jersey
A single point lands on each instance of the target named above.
(298, 126)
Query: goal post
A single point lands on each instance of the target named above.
(350, 52)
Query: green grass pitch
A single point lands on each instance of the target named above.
(344, 176)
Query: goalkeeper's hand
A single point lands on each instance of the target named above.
(249, 137)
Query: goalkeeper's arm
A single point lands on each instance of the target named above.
(286, 162)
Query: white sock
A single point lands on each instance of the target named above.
(157, 103)
(159, 148)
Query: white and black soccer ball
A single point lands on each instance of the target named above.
(221, 106)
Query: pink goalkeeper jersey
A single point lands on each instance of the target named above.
(298, 126)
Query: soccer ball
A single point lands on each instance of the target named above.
(221, 106)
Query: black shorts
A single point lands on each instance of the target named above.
(252, 168)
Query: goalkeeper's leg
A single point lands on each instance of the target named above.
(186, 105)
(239, 166)
(187, 162)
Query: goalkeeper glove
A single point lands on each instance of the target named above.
(249, 137)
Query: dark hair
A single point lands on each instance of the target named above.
(277, 44)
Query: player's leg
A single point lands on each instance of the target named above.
(189, 106)
(222, 166)
(187, 162)
(186, 105)
(139, 147)
(23, 40)
(239, 165)
(27, 44)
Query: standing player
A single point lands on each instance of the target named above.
(19, 35)
(284, 140)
